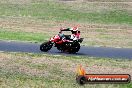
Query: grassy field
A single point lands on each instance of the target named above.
(60, 11)
(55, 11)
(105, 24)
(24, 70)
(23, 36)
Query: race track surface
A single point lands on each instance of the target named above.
(85, 51)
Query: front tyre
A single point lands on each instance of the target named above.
(46, 46)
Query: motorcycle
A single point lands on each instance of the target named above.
(68, 45)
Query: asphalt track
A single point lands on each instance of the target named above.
(13, 46)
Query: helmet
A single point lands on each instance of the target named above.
(75, 29)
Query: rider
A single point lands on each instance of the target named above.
(75, 33)
(62, 38)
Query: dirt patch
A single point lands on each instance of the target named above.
(31, 25)
(93, 34)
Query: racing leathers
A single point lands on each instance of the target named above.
(75, 33)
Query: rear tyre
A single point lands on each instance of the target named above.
(45, 46)
(74, 48)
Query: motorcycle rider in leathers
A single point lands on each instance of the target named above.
(74, 36)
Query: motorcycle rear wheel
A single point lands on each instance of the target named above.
(74, 48)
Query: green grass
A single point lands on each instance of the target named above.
(56, 11)
(23, 36)
(56, 14)
(43, 71)
(15, 80)
(23, 70)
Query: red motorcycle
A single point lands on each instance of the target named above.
(65, 45)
